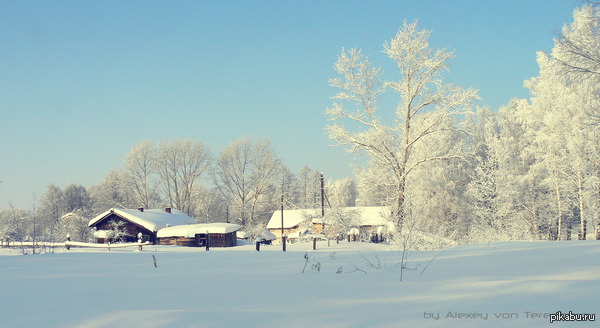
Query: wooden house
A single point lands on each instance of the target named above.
(134, 221)
(367, 219)
(293, 221)
(194, 235)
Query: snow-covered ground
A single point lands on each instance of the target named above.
(488, 285)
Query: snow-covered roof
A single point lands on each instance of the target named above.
(367, 216)
(189, 231)
(292, 218)
(373, 215)
(152, 220)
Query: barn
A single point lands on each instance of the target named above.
(194, 235)
(128, 223)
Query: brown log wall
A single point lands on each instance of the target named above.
(179, 241)
(132, 228)
(216, 240)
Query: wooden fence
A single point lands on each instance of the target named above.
(67, 245)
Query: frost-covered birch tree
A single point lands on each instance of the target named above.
(52, 206)
(339, 220)
(491, 191)
(75, 197)
(374, 185)
(75, 225)
(529, 197)
(437, 187)
(265, 173)
(577, 49)
(341, 193)
(140, 166)
(15, 223)
(561, 145)
(210, 207)
(181, 165)
(289, 185)
(577, 55)
(309, 184)
(112, 191)
(425, 104)
(244, 172)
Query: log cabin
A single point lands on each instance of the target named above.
(194, 235)
(135, 221)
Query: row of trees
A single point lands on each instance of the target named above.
(246, 181)
(242, 184)
(555, 152)
(541, 158)
(45, 224)
(449, 169)
(453, 170)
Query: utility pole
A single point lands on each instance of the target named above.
(322, 202)
(34, 218)
(282, 231)
(322, 197)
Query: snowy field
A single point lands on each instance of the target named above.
(509, 284)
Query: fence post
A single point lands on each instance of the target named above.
(207, 240)
(283, 241)
(314, 243)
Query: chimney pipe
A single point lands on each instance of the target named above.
(168, 210)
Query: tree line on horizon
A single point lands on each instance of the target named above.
(451, 170)
(242, 185)
(461, 173)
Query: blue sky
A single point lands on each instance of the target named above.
(81, 82)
